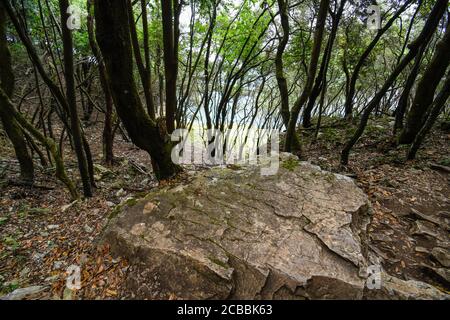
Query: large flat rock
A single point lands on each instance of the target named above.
(232, 233)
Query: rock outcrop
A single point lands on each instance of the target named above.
(232, 233)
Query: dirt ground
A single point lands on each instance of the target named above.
(43, 233)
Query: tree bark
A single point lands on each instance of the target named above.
(318, 36)
(113, 36)
(414, 47)
(319, 83)
(71, 100)
(426, 89)
(355, 74)
(170, 61)
(10, 125)
(436, 108)
(108, 137)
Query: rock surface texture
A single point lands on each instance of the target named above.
(232, 233)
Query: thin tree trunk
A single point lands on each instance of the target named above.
(423, 38)
(426, 89)
(11, 126)
(355, 74)
(436, 109)
(318, 36)
(279, 69)
(402, 105)
(108, 137)
(71, 100)
(170, 61)
(47, 142)
(318, 85)
(113, 36)
(144, 70)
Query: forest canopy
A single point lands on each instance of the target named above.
(149, 67)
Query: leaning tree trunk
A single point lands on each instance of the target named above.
(49, 143)
(436, 108)
(113, 37)
(414, 47)
(426, 90)
(319, 83)
(10, 125)
(348, 107)
(402, 105)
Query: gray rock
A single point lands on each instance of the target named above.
(87, 228)
(422, 250)
(24, 293)
(425, 217)
(442, 256)
(394, 288)
(442, 274)
(423, 229)
(237, 234)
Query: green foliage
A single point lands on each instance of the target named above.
(3, 220)
(11, 242)
(290, 164)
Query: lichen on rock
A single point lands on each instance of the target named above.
(236, 234)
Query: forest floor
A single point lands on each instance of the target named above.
(42, 233)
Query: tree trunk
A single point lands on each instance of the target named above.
(426, 90)
(402, 105)
(352, 85)
(144, 70)
(318, 36)
(436, 108)
(281, 79)
(47, 142)
(11, 126)
(319, 83)
(414, 47)
(170, 61)
(71, 99)
(108, 137)
(113, 36)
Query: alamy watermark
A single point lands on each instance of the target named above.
(373, 277)
(76, 13)
(74, 20)
(73, 280)
(232, 147)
